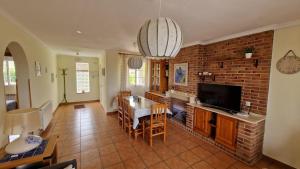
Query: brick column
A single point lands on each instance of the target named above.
(250, 141)
(189, 117)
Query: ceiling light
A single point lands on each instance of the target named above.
(78, 32)
(135, 62)
(159, 38)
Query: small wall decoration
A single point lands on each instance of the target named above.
(52, 77)
(289, 63)
(103, 71)
(37, 68)
(181, 74)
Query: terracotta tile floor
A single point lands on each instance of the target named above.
(97, 141)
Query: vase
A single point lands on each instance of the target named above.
(248, 55)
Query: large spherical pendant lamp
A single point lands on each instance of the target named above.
(135, 62)
(159, 38)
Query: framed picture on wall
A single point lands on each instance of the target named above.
(181, 74)
(37, 68)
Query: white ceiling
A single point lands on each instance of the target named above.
(108, 24)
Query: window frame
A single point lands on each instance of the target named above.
(88, 71)
(136, 76)
(6, 61)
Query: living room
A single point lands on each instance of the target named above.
(74, 63)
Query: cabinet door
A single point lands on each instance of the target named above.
(201, 121)
(226, 131)
(158, 80)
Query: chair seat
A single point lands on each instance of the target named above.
(155, 123)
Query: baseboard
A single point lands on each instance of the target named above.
(285, 166)
(79, 102)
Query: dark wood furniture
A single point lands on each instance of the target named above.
(222, 129)
(159, 76)
(63, 165)
(157, 97)
(157, 125)
(49, 156)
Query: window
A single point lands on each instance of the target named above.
(82, 77)
(9, 72)
(136, 77)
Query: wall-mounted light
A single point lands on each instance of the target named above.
(204, 75)
(78, 32)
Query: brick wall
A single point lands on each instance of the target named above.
(236, 69)
(250, 141)
(190, 117)
(193, 56)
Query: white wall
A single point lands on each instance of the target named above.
(282, 132)
(10, 89)
(113, 79)
(42, 89)
(116, 79)
(69, 62)
(102, 80)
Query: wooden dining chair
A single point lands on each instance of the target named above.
(120, 110)
(120, 106)
(157, 125)
(125, 93)
(128, 121)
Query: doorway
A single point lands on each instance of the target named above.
(10, 85)
(16, 78)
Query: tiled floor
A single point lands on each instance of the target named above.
(97, 141)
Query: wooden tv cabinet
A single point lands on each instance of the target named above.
(220, 128)
(241, 136)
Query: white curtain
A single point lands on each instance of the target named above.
(124, 72)
(136, 90)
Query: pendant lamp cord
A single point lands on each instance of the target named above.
(159, 12)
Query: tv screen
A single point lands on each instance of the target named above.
(224, 97)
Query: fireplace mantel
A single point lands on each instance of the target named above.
(180, 95)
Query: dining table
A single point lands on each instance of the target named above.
(141, 107)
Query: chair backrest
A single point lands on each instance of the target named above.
(126, 107)
(158, 112)
(119, 100)
(125, 93)
(121, 95)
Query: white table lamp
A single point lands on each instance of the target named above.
(21, 122)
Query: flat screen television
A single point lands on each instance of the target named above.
(224, 97)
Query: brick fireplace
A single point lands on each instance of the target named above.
(178, 107)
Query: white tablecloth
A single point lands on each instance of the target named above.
(141, 109)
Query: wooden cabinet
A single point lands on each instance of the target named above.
(154, 97)
(222, 129)
(159, 76)
(148, 95)
(201, 121)
(226, 131)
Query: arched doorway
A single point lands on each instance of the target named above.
(16, 53)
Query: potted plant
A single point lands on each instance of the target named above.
(249, 52)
